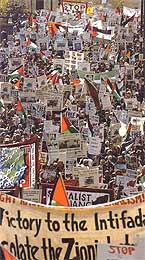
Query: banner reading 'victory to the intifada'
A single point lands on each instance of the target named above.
(33, 231)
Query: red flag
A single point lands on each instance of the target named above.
(19, 106)
(18, 84)
(94, 32)
(6, 254)
(88, 26)
(59, 196)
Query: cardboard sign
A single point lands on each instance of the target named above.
(131, 103)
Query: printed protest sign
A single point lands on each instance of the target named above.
(81, 197)
(72, 7)
(5, 91)
(29, 84)
(18, 161)
(95, 146)
(34, 231)
(115, 252)
(32, 195)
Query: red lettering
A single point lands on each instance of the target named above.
(130, 250)
(8, 198)
(124, 250)
(113, 249)
(2, 197)
(118, 249)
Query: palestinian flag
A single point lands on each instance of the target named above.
(128, 55)
(66, 127)
(94, 32)
(5, 255)
(118, 56)
(42, 56)
(19, 109)
(17, 73)
(52, 73)
(115, 92)
(100, 33)
(112, 89)
(52, 28)
(142, 180)
(107, 32)
(18, 84)
(31, 45)
(76, 82)
(121, 84)
(108, 84)
(127, 145)
(93, 92)
(56, 79)
(107, 50)
(127, 136)
(54, 76)
(32, 20)
(130, 19)
(88, 26)
(61, 28)
(58, 195)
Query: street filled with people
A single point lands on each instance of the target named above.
(72, 132)
(74, 79)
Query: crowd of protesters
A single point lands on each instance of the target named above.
(118, 153)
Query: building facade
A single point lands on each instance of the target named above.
(41, 4)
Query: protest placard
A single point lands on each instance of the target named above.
(33, 195)
(14, 63)
(94, 146)
(115, 252)
(5, 91)
(29, 84)
(42, 81)
(69, 142)
(21, 167)
(72, 7)
(79, 196)
(88, 177)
